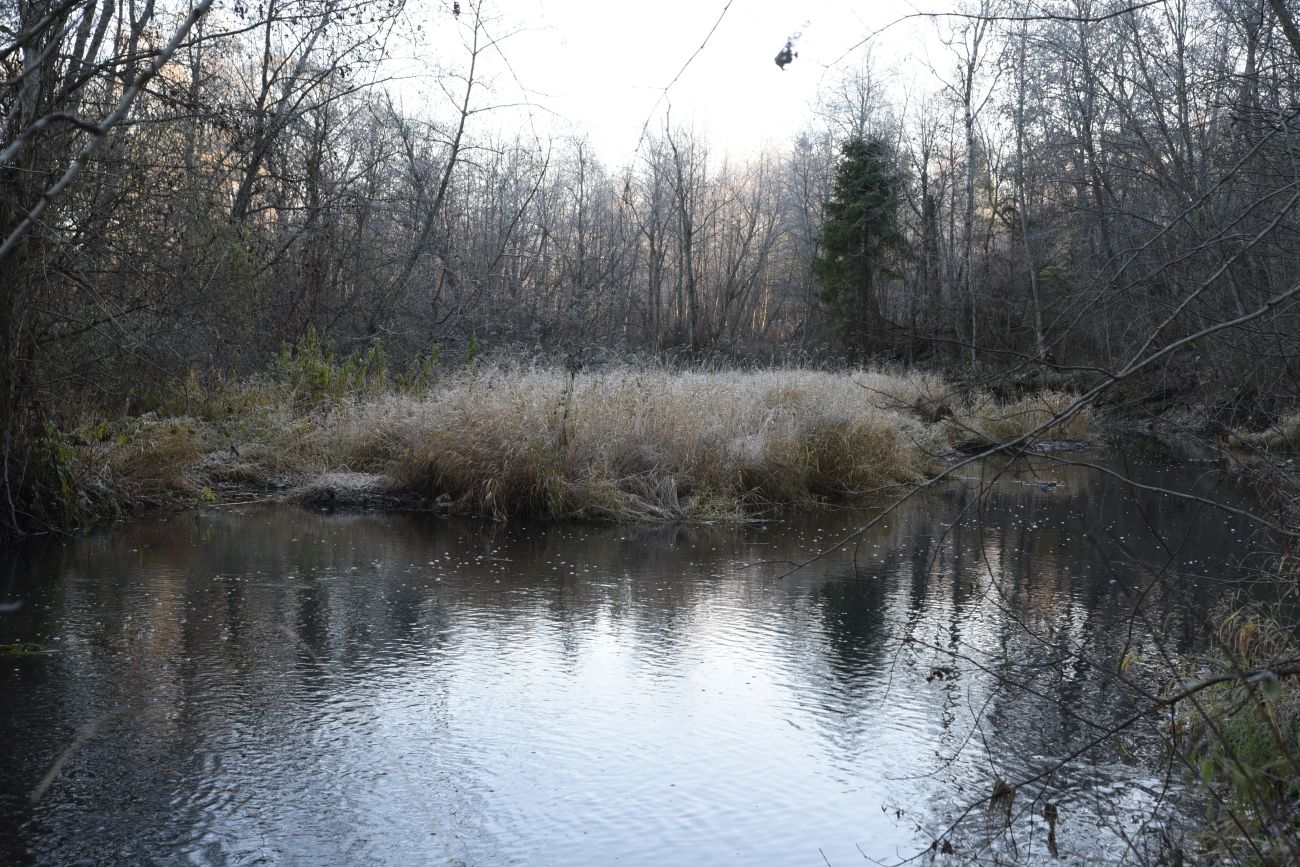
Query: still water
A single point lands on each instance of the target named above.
(269, 685)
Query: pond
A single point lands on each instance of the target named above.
(271, 685)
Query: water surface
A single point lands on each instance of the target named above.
(271, 686)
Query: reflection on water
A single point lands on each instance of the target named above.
(280, 686)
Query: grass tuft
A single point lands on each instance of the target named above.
(982, 422)
(621, 444)
(632, 444)
(147, 464)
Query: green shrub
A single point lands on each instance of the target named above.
(1241, 737)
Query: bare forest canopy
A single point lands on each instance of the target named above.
(184, 189)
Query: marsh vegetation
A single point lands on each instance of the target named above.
(619, 444)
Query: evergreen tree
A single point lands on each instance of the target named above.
(861, 238)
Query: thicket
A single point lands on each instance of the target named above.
(1240, 736)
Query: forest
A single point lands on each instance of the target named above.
(224, 233)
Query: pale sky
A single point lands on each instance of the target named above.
(599, 67)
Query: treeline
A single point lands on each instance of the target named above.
(183, 190)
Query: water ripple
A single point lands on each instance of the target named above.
(357, 690)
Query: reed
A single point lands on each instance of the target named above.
(621, 444)
(982, 421)
(148, 463)
(649, 444)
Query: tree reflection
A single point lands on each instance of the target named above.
(966, 638)
(852, 609)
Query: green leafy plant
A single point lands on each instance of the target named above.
(1241, 738)
(312, 370)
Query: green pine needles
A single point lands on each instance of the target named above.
(861, 241)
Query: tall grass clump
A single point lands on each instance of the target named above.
(612, 444)
(981, 421)
(142, 463)
(629, 444)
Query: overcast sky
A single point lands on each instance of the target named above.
(599, 66)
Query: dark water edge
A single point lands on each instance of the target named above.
(272, 685)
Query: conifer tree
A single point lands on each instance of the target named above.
(861, 240)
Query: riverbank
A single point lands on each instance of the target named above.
(618, 444)
(625, 444)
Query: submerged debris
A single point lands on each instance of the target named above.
(1050, 814)
(1043, 484)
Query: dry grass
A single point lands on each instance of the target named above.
(148, 465)
(623, 444)
(1288, 428)
(642, 445)
(1255, 636)
(983, 422)
(1282, 437)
